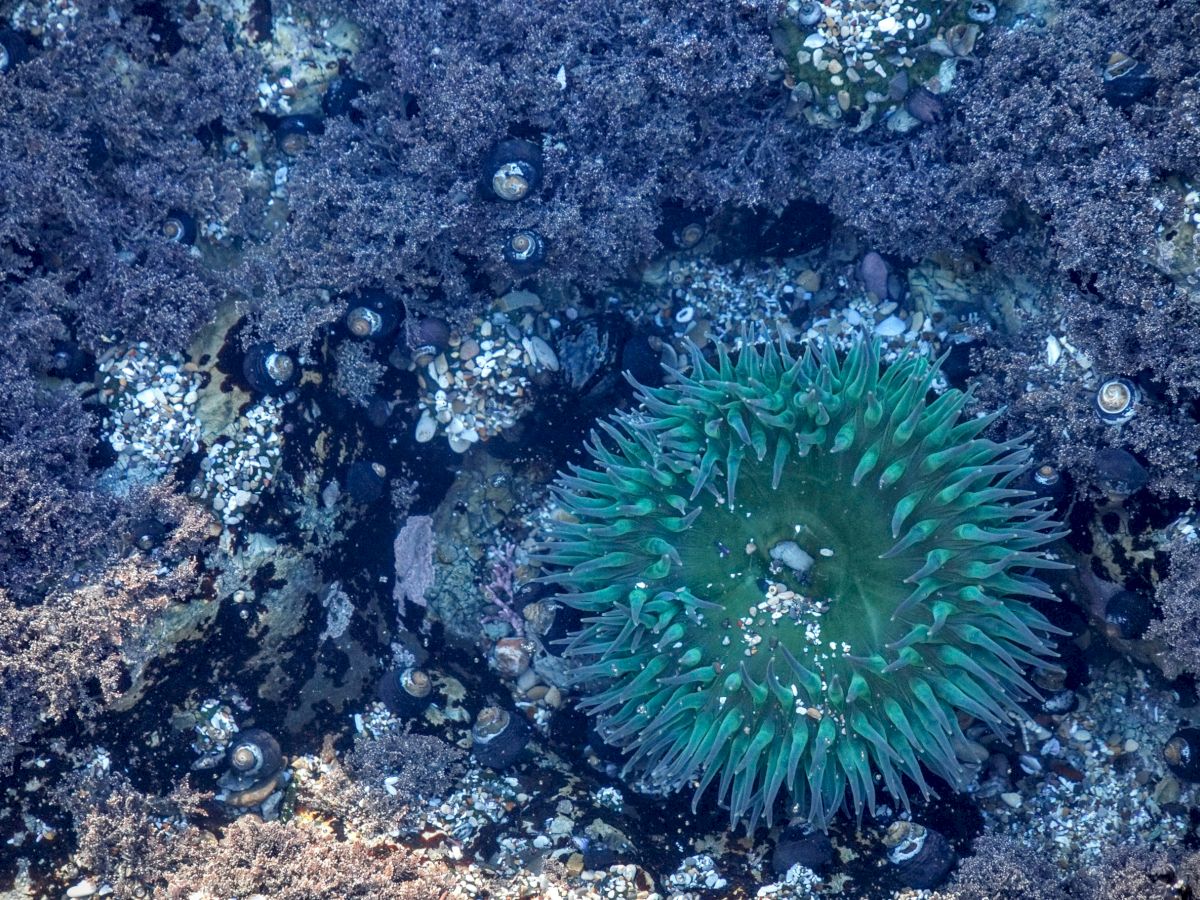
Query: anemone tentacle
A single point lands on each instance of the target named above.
(797, 573)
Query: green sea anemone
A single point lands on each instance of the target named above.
(800, 573)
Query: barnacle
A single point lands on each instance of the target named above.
(800, 573)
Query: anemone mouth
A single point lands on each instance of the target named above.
(799, 574)
(845, 589)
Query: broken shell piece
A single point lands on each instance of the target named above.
(1053, 350)
(541, 352)
(426, 428)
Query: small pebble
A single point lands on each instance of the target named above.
(890, 327)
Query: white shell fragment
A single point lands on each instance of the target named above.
(151, 401)
(888, 25)
(482, 383)
(241, 465)
(543, 354)
(1053, 350)
(791, 555)
(890, 327)
(426, 428)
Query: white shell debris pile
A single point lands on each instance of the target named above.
(239, 467)
(480, 384)
(695, 872)
(151, 401)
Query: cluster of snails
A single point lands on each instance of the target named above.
(371, 315)
(513, 172)
(498, 736)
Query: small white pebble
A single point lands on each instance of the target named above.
(890, 327)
